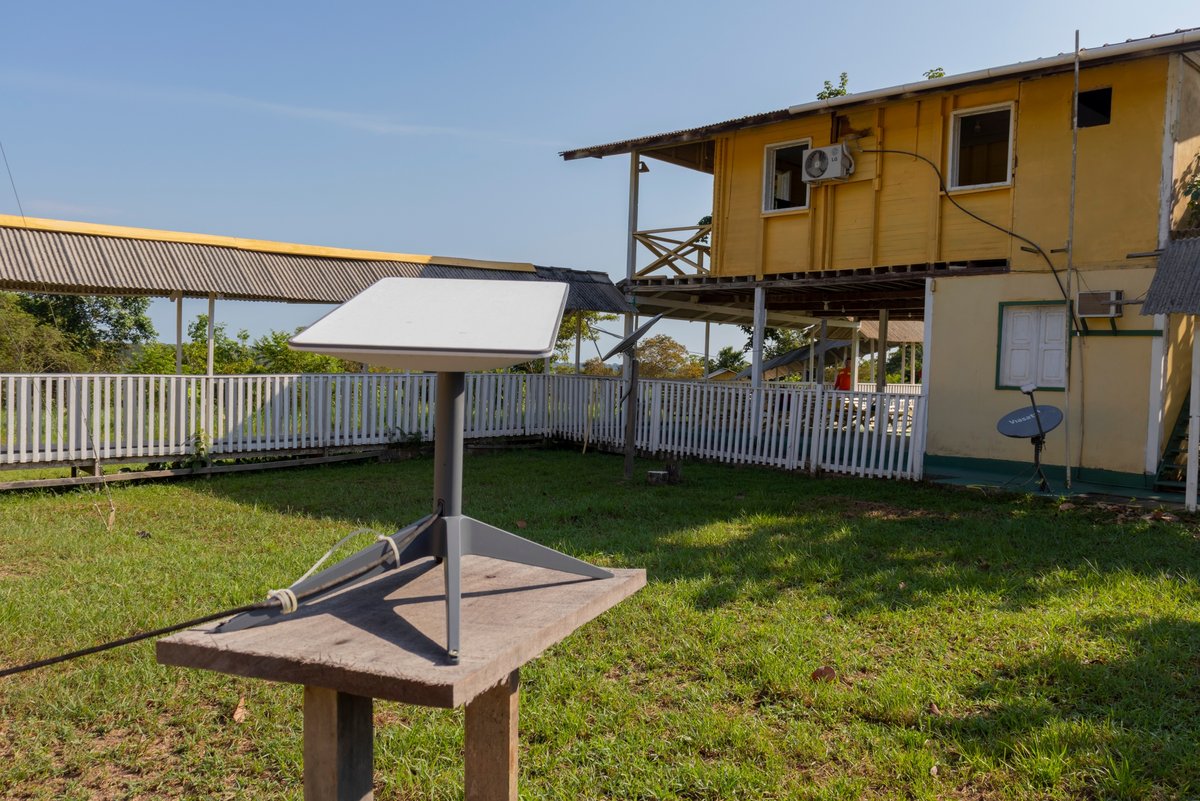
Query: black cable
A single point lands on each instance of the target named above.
(270, 603)
(942, 186)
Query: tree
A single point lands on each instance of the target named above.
(29, 346)
(103, 328)
(594, 366)
(663, 357)
(728, 358)
(271, 354)
(564, 346)
(831, 91)
(776, 341)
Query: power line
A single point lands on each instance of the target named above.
(11, 182)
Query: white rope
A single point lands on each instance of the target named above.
(333, 550)
(286, 598)
(392, 544)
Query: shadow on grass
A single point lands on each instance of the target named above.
(749, 534)
(1123, 727)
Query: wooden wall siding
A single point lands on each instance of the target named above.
(891, 212)
(77, 418)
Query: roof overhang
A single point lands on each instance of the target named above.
(655, 144)
(798, 300)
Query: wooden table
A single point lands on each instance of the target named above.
(385, 639)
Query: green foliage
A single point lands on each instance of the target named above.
(29, 346)
(233, 355)
(936, 72)
(776, 341)
(728, 358)
(101, 327)
(1191, 191)
(830, 91)
(662, 356)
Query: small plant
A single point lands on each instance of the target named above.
(1191, 191)
(398, 436)
(201, 444)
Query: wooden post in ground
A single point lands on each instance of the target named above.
(338, 746)
(491, 742)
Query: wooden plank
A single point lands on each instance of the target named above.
(338, 746)
(490, 740)
(384, 638)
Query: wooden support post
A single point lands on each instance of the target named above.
(854, 345)
(881, 376)
(491, 742)
(338, 746)
(824, 340)
(1193, 446)
(212, 308)
(760, 324)
(179, 334)
(707, 360)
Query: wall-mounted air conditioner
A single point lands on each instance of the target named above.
(1105, 303)
(827, 164)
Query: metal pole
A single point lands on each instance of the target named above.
(760, 324)
(1071, 270)
(631, 407)
(631, 250)
(448, 443)
(179, 334)
(578, 340)
(706, 349)
(212, 305)
(881, 374)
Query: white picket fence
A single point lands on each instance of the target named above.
(60, 419)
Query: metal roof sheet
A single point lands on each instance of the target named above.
(80, 263)
(1176, 283)
(1185, 39)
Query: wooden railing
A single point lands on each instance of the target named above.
(66, 419)
(684, 251)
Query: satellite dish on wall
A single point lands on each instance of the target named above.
(631, 339)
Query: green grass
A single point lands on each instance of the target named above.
(985, 648)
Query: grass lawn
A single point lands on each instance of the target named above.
(984, 648)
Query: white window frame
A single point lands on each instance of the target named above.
(952, 156)
(768, 196)
(1040, 344)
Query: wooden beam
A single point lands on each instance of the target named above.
(491, 742)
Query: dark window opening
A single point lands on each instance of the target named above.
(786, 189)
(982, 155)
(1095, 107)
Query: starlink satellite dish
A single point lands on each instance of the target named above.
(441, 324)
(451, 326)
(630, 340)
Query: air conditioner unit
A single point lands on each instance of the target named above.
(1105, 303)
(827, 164)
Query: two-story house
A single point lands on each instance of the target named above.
(1003, 208)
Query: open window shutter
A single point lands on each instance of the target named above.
(1052, 348)
(1019, 347)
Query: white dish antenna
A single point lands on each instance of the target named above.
(441, 324)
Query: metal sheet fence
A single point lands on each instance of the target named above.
(47, 419)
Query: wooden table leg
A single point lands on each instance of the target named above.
(491, 742)
(338, 746)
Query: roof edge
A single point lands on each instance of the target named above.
(256, 245)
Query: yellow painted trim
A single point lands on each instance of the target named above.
(256, 245)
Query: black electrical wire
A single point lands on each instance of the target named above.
(942, 185)
(270, 603)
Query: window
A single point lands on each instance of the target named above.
(785, 188)
(981, 147)
(1095, 107)
(1033, 345)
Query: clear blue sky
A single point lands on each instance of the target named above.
(434, 128)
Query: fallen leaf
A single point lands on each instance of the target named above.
(521, 524)
(824, 673)
(143, 534)
(933, 771)
(1065, 506)
(902, 585)
(239, 711)
(827, 619)
(933, 709)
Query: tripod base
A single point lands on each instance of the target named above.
(447, 540)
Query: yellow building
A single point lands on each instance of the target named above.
(977, 204)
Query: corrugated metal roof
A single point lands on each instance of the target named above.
(1180, 40)
(78, 263)
(1175, 287)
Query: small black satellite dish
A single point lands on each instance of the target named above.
(631, 340)
(1032, 422)
(1023, 423)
